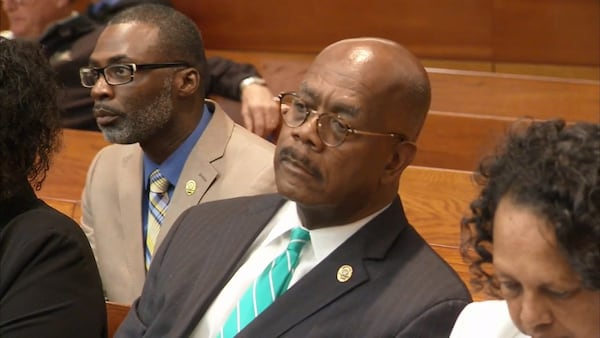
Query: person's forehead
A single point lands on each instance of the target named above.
(340, 83)
(133, 40)
(516, 224)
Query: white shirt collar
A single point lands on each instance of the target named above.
(324, 240)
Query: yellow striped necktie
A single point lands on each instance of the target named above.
(158, 202)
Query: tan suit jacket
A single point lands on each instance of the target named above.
(228, 161)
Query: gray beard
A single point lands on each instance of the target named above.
(144, 123)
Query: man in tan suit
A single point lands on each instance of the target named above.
(146, 76)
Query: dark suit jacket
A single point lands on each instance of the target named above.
(68, 45)
(399, 287)
(49, 282)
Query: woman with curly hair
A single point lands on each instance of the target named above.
(533, 236)
(49, 282)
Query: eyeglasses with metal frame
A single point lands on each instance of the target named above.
(119, 74)
(331, 128)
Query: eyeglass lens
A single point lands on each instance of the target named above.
(113, 74)
(330, 128)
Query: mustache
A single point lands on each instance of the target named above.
(290, 154)
(103, 110)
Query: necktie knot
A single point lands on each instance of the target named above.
(298, 237)
(158, 183)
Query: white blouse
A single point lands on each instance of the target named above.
(488, 319)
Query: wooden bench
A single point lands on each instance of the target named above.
(435, 200)
(67, 207)
(505, 95)
(115, 314)
(66, 177)
(457, 91)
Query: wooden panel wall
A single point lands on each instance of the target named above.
(308, 26)
(527, 31)
(548, 31)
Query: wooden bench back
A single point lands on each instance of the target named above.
(68, 170)
(530, 31)
(494, 94)
(456, 91)
(116, 313)
(435, 200)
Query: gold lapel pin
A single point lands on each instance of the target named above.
(190, 187)
(344, 273)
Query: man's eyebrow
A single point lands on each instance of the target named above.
(336, 107)
(344, 109)
(307, 92)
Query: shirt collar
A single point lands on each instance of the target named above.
(323, 241)
(171, 168)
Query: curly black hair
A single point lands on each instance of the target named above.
(29, 116)
(554, 169)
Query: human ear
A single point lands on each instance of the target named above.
(402, 155)
(187, 81)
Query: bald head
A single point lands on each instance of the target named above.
(391, 77)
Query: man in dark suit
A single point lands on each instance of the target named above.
(349, 133)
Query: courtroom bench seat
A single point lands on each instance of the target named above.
(115, 313)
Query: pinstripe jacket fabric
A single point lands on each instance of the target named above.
(399, 286)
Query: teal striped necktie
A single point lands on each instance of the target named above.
(270, 284)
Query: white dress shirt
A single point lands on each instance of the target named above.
(269, 244)
(489, 319)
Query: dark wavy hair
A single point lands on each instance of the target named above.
(29, 116)
(554, 169)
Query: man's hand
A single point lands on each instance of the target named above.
(259, 110)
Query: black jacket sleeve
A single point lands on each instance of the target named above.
(49, 282)
(224, 77)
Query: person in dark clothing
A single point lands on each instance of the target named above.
(49, 281)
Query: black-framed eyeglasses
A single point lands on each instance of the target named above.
(119, 74)
(331, 128)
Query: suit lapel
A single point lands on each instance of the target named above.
(130, 191)
(198, 171)
(226, 245)
(305, 298)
